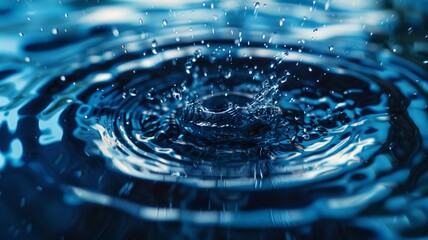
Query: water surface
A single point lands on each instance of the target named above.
(213, 120)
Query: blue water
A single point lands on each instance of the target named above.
(213, 120)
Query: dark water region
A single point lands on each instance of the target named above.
(213, 120)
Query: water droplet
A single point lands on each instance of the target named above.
(62, 78)
(330, 48)
(188, 65)
(315, 30)
(115, 32)
(425, 62)
(66, 15)
(228, 73)
(306, 136)
(410, 30)
(140, 21)
(21, 34)
(198, 53)
(327, 5)
(176, 94)
(256, 8)
(27, 59)
(54, 31)
(154, 47)
(164, 23)
(281, 22)
(151, 94)
(283, 79)
(133, 92)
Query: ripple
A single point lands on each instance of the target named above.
(279, 121)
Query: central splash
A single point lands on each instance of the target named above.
(236, 117)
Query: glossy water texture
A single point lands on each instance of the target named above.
(213, 120)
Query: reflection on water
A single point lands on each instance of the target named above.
(213, 120)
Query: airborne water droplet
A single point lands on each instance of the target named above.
(281, 22)
(198, 53)
(188, 65)
(151, 94)
(283, 79)
(133, 92)
(115, 32)
(176, 94)
(330, 48)
(54, 31)
(306, 136)
(256, 8)
(327, 5)
(228, 73)
(164, 23)
(154, 46)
